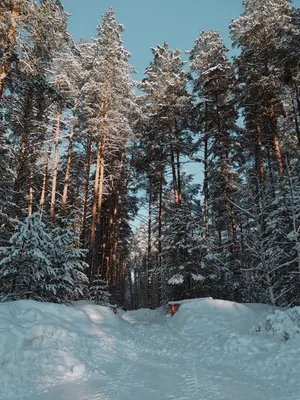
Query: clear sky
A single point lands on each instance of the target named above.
(151, 22)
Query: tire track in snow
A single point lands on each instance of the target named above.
(191, 387)
(119, 386)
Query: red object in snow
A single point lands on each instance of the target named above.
(173, 308)
(115, 308)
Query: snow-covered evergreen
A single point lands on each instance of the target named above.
(40, 265)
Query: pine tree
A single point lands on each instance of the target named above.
(182, 242)
(109, 102)
(39, 265)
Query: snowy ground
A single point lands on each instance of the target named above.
(210, 350)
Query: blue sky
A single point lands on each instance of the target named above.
(151, 22)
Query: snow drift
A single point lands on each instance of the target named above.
(218, 348)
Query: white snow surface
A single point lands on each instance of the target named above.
(209, 350)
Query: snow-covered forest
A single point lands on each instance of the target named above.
(84, 148)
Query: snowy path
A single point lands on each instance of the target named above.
(207, 351)
(161, 364)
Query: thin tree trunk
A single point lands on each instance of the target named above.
(68, 167)
(114, 233)
(30, 197)
(109, 268)
(259, 157)
(295, 116)
(205, 184)
(98, 188)
(234, 233)
(178, 177)
(24, 152)
(178, 164)
(55, 162)
(46, 176)
(149, 249)
(5, 64)
(174, 178)
(101, 178)
(20, 172)
(96, 191)
(160, 220)
(297, 97)
(86, 189)
(275, 140)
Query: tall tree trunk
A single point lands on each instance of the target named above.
(101, 177)
(99, 173)
(68, 167)
(97, 202)
(259, 157)
(46, 176)
(160, 219)
(86, 188)
(24, 150)
(110, 241)
(276, 148)
(295, 115)
(5, 63)
(30, 197)
(234, 233)
(96, 191)
(115, 197)
(178, 163)
(149, 248)
(178, 177)
(55, 162)
(173, 167)
(19, 182)
(205, 184)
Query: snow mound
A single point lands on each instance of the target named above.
(200, 317)
(271, 347)
(283, 325)
(44, 344)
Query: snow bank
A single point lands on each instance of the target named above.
(283, 325)
(247, 336)
(44, 344)
(271, 347)
(203, 317)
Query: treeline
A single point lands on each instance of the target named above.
(81, 153)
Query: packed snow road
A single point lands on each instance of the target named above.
(205, 352)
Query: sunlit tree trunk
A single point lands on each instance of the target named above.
(101, 177)
(68, 167)
(99, 174)
(46, 176)
(86, 189)
(96, 191)
(173, 166)
(30, 196)
(55, 162)
(277, 151)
